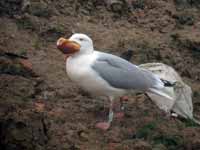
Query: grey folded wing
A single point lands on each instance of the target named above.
(120, 73)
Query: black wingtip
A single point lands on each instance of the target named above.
(168, 83)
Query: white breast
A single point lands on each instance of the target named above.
(79, 70)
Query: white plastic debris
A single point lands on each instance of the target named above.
(181, 93)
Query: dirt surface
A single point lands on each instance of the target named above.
(41, 109)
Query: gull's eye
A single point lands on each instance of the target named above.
(81, 39)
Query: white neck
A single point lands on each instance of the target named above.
(82, 52)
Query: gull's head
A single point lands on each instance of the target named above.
(77, 43)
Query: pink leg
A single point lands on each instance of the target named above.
(124, 98)
(120, 114)
(106, 125)
(103, 125)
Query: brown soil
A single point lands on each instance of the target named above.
(41, 109)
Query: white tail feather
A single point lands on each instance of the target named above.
(196, 121)
(160, 93)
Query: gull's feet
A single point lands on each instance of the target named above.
(119, 115)
(124, 98)
(103, 125)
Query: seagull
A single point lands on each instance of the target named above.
(104, 74)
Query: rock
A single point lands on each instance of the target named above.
(28, 21)
(138, 4)
(17, 134)
(184, 18)
(26, 64)
(191, 138)
(10, 7)
(14, 65)
(39, 106)
(181, 4)
(159, 147)
(25, 5)
(134, 144)
(40, 9)
(195, 3)
(115, 5)
(83, 135)
(189, 39)
(115, 135)
(16, 88)
(53, 30)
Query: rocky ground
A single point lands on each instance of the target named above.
(41, 109)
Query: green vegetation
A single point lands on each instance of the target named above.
(196, 93)
(139, 4)
(184, 19)
(24, 24)
(37, 44)
(23, 52)
(151, 133)
(190, 123)
(146, 130)
(39, 9)
(172, 142)
(58, 28)
(13, 68)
